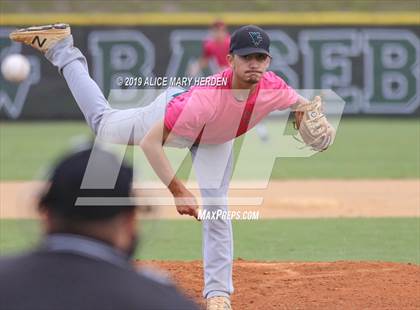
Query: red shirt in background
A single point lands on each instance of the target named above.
(217, 51)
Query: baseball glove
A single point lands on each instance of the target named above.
(314, 128)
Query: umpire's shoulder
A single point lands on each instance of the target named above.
(160, 284)
(7, 263)
(155, 275)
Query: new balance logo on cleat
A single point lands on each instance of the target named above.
(41, 37)
(36, 39)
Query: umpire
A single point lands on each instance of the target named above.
(83, 261)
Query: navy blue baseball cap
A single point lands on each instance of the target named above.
(65, 187)
(249, 40)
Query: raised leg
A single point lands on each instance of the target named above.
(126, 126)
(72, 63)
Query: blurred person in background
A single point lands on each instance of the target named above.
(215, 49)
(83, 260)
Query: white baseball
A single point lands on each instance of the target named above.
(15, 67)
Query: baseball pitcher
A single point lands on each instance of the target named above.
(206, 119)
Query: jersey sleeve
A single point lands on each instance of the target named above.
(284, 94)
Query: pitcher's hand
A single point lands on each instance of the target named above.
(186, 203)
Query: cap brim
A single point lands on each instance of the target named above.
(250, 50)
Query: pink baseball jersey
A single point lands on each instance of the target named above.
(212, 115)
(217, 51)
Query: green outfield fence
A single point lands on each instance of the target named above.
(369, 59)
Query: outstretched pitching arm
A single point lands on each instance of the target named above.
(152, 145)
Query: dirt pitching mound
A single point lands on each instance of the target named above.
(281, 285)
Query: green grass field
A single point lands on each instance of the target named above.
(288, 240)
(364, 148)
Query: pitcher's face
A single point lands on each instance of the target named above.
(249, 68)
